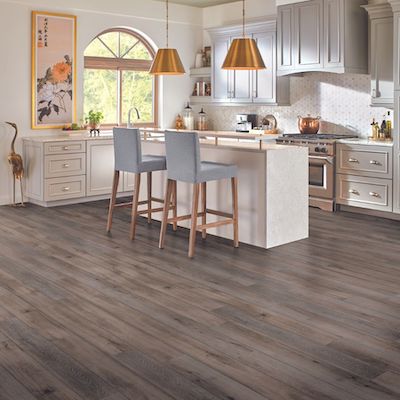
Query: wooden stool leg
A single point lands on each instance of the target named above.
(149, 196)
(204, 208)
(167, 201)
(112, 200)
(135, 206)
(175, 206)
(195, 205)
(235, 211)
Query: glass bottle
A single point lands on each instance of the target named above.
(188, 118)
(202, 121)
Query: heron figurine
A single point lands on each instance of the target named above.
(17, 165)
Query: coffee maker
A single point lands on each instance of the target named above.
(245, 122)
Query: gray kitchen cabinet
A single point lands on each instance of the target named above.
(364, 176)
(262, 87)
(308, 31)
(322, 35)
(221, 90)
(381, 54)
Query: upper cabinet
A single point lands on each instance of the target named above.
(311, 37)
(263, 87)
(381, 54)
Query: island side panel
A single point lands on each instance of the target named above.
(287, 215)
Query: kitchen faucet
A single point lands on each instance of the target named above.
(129, 116)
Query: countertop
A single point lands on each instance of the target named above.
(366, 142)
(216, 139)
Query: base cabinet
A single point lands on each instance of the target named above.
(63, 172)
(364, 176)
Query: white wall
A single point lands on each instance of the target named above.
(94, 16)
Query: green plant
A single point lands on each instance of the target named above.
(94, 117)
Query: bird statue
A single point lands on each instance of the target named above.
(17, 165)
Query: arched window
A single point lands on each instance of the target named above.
(116, 78)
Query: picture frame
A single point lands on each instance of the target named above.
(54, 38)
(207, 56)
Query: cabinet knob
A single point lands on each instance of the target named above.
(353, 160)
(374, 194)
(65, 165)
(353, 191)
(374, 162)
(65, 189)
(65, 148)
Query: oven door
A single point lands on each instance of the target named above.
(321, 176)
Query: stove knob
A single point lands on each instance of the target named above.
(317, 149)
(323, 150)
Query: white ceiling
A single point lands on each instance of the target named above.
(201, 3)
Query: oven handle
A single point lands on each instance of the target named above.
(321, 158)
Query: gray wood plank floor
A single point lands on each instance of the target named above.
(87, 316)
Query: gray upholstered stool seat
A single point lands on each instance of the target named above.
(129, 158)
(212, 171)
(152, 163)
(184, 164)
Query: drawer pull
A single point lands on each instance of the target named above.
(353, 160)
(353, 191)
(66, 189)
(374, 194)
(374, 162)
(65, 165)
(65, 148)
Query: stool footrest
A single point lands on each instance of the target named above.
(219, 213)
(153, 210)
(157, 200)
(127, 204)
(214, 224)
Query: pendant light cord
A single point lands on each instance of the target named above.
(244, 16)
(166, 3)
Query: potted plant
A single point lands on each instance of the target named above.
(94, 119)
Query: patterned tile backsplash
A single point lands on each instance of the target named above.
(342, 101)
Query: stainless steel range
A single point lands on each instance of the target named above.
(322, 154)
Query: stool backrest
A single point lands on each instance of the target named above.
(127, 149)
(183, 155)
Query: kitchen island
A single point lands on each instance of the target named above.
(273, 181)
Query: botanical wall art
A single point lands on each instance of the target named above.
(53, 70)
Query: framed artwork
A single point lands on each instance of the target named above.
(53, 70)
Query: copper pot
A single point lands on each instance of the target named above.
(308, 125)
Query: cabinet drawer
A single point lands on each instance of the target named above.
(64, 147)
(64, 188)
(357, 191)
(376, 162)
(64, 165)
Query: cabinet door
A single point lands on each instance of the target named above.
(308, 35)
(100, 168)
(382, 85)
(285, 43)
(396, 155)
(333, 33)
(264, 81)
(396, 53)
(220, 78)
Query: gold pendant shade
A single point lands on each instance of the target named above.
(167, 62)
(243, 55)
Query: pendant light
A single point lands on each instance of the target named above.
(243, 53)
(167, 61)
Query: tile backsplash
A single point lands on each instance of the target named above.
(342, 101)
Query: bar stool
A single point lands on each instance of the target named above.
(184, 164)
(129, 158)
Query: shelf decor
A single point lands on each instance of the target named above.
(53, 70)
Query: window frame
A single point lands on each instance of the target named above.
(122, 64)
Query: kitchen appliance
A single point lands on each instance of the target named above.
(308, 125)
(321, 161)
(245, 122)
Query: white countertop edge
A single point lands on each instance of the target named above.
(365, 142)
